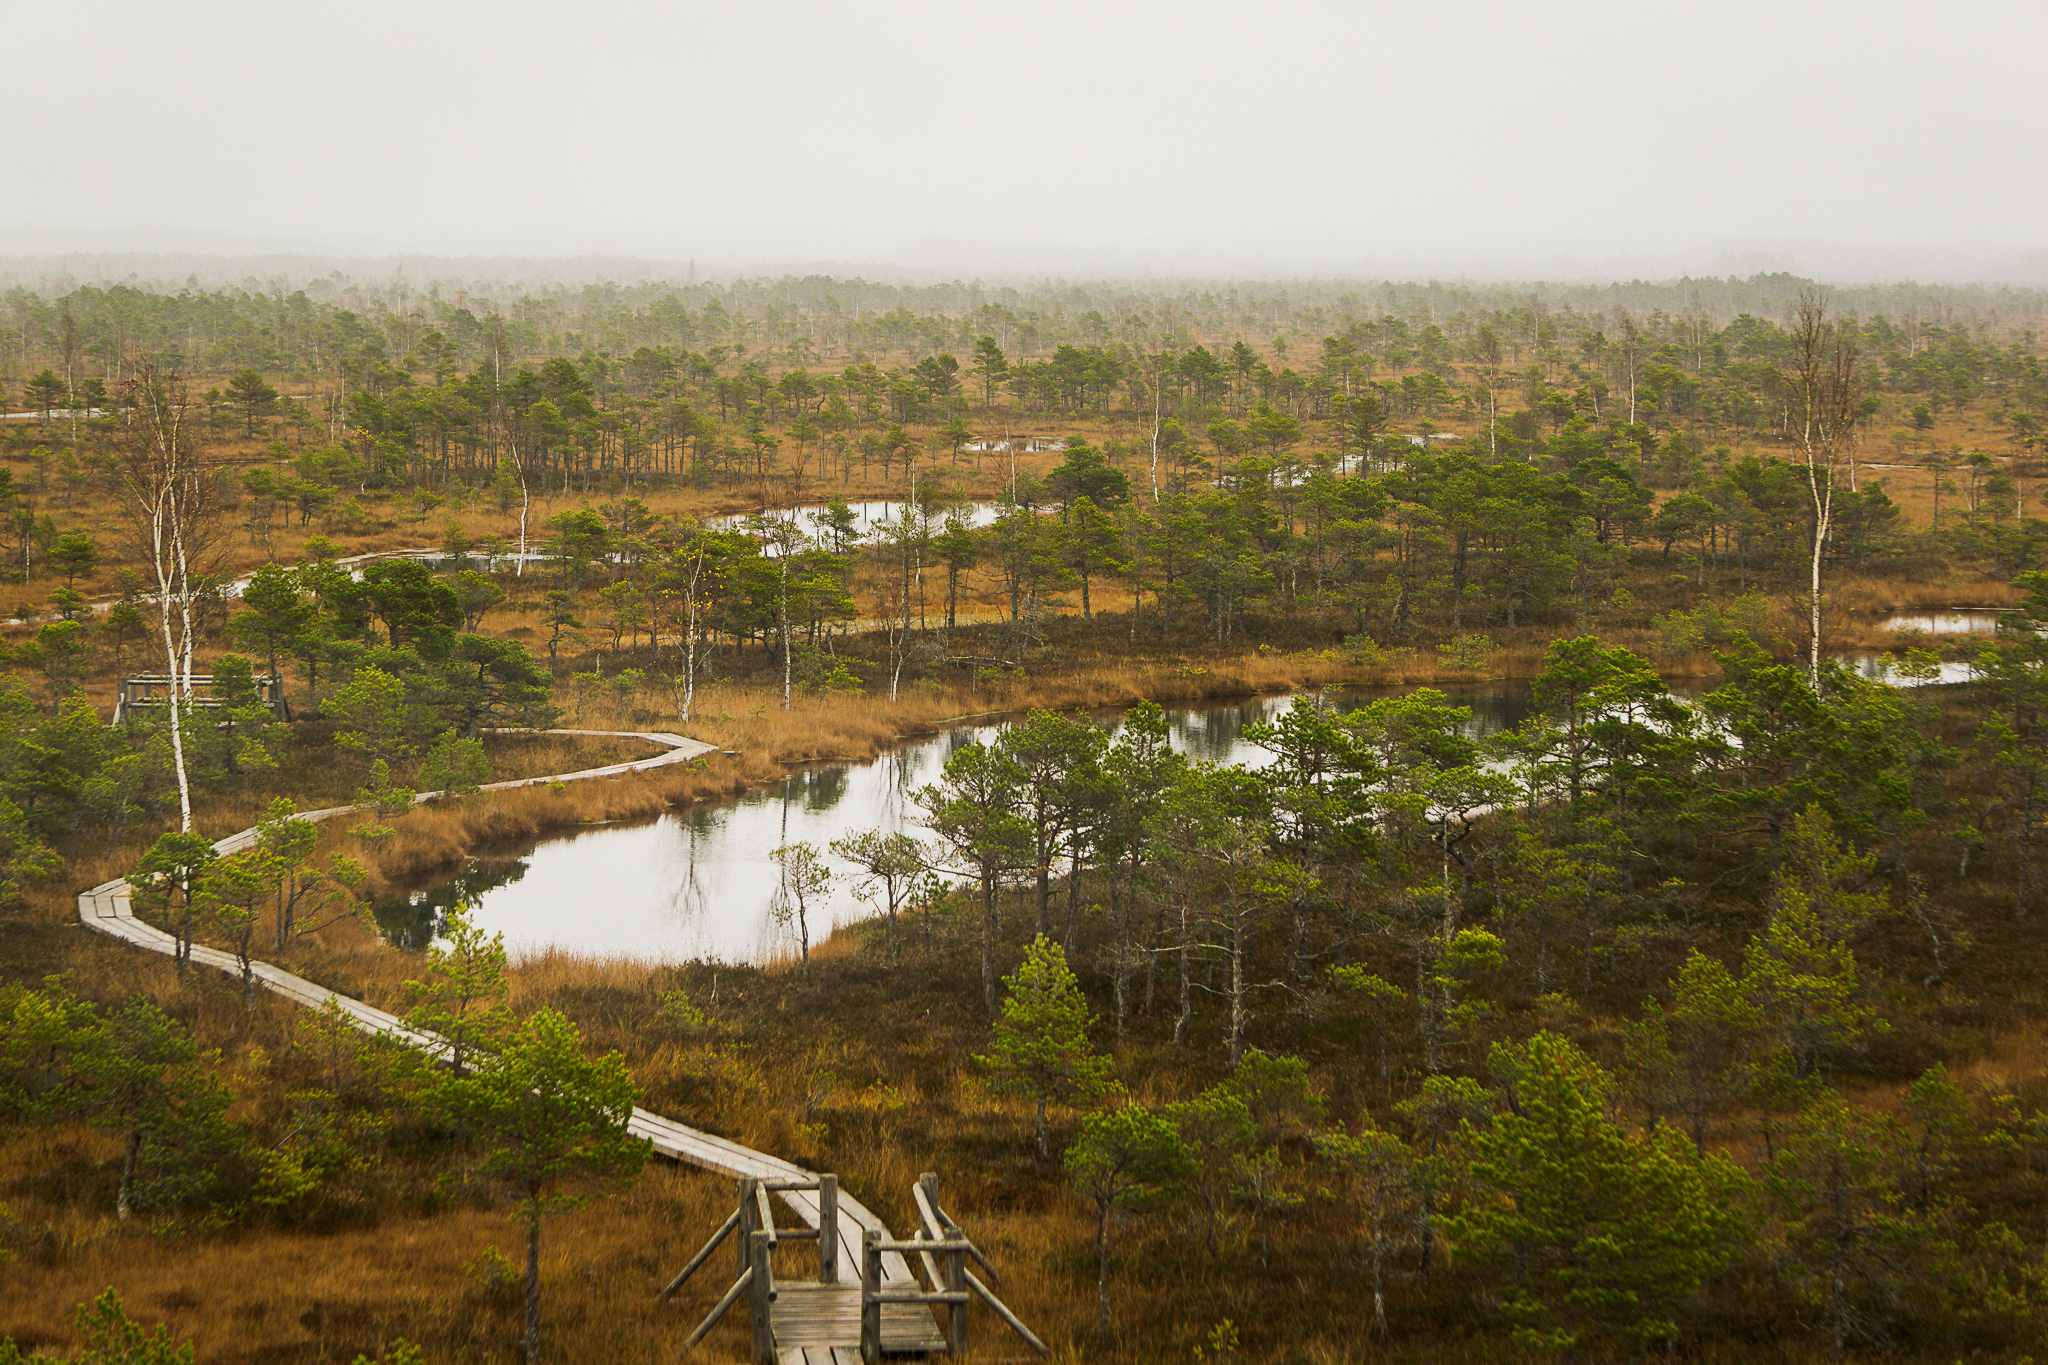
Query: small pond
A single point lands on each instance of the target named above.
(1946, 620)
(867, 515)
(698, 882)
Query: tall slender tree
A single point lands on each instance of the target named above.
(1820, 379)
(171, 495)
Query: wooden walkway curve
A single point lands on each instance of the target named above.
(107, 908)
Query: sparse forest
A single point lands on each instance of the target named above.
(1696, 1015)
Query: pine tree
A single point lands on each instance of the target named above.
(1126, 1158)
(1218, 1130)
(1609, 1231)
(545, 1114)
(463, 1001)
(1693, 1057)
(164, 878)
(1857, 1245)
(1383, 1169)
(1800, 970)
(803, 878)
(973, 808)
(1041, 1041)
(229, 894)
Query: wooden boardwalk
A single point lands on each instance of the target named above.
(819, 1323)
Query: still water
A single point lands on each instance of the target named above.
(1946, 620)
(698, 882)
(867, 516)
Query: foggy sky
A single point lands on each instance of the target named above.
(1870, 139)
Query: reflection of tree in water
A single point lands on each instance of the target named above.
(413, 920)
(1212, 735)
(1494, 709)
(902, 772)
(691, 898)
(1496, 706)
(707, 817)
(818, 789)
(707, 882)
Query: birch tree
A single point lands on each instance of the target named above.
(787, 539)
(682, 584)
(171, 495)
(1821, 382)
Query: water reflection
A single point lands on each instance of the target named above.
(1884, 668)
(820, 789)
(414, 919)
(1946, 621)
(868, 516)
(699, 882)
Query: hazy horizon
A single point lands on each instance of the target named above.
(1586, 140)
(1843, 264)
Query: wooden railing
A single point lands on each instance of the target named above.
(942, 1245)
(754, 1221)
(143, 691)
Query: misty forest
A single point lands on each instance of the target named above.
(1611, 930)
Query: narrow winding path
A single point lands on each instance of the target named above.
(107, 908)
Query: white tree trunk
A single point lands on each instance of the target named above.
(690, 662)
(160, 516)
(525, 501)
(1823, 517)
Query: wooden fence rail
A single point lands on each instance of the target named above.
(942, 1245)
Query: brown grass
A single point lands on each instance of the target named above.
(285, 1295)
(850, 1066)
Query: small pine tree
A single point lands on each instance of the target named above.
(1125, 1158)
(164, 879)
(1383, 1169)
(464, 999)
(543, 1114)
(455, 766)
(1041, 1041)
(804, 878)
(1609, 1231)
(109, 1336)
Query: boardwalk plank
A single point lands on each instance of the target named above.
(815, 1315)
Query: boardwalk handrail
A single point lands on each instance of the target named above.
(938, 1226)
(753, 1214)
(761, 1253)
(757, 1274)
(944, 1248)
(739, 1287)
(703, 1254)
(826, 1187)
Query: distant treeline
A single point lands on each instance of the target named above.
(310, 332)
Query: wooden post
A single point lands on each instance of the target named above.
(762, 1246)
(828, 1229)
(955, 1265)
(870, 1286)
(749, 1222)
